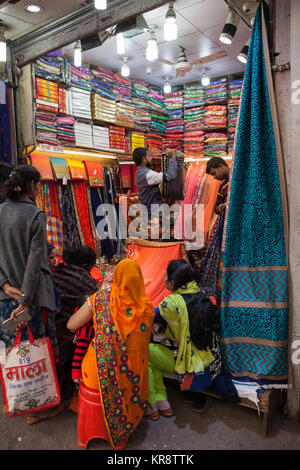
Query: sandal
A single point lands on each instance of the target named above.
(167, 413)
(152, 413)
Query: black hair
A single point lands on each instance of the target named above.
(181, 272)
(214, 162)
(17, 183)
(138, 154)
(203, 314)
(50, 248)
(80, 256)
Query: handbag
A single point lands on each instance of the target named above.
(28, 376)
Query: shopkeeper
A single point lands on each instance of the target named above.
(219, 170)
(147, 181)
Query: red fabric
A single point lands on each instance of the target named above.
(83, 212)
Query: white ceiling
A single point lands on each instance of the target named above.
(199, 25)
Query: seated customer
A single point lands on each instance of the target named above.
(189, 322)
(116, 363)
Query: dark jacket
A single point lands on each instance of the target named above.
(23, 253)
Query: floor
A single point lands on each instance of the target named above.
(223, 427)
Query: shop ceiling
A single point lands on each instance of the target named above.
(62, 22)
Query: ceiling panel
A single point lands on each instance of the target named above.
(206, 14)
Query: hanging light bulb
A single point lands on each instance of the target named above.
(100, 4)
(242, 57)
(170, 26)
(152, 51)
(77, 54)
(125, 70)
(230, 27)
(205, 80)
(167, 86)
(120, 43)
(2, 43)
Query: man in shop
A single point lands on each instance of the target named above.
(219, 170)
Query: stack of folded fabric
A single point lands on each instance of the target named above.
(62, 101)
(46, 95)
(216, 91)
(215, 144)
(117, 138)
(215, 117)
(137, 140)
(45, 125)
(83, 134)
(235, 92)
(142, 118)
(139, 95)
(193, 96)
(49, 68)
(194, 118)
(125, 114)
(155, 99)
(100, 137)
(81, 78)
(155, 144)
(103, 109)
(65, 130)
(175, 123)
(121, 89)
(102, 83)
(80, 103)
(194, 144)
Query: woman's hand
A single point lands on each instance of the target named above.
(15, 312)
(156, 327)
(11, 291)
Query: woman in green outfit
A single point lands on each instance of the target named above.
(183, 334)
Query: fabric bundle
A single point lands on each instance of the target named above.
(81, 78)
(140, 92)
(194, 144)
(83, 134)
(215, 144)
(49, 68)
(215, 117)
(102, 83)
(137, 140)
(125, 114)
(117, 138)
(216, 91)
(155, 144)
(46, 95)
(100, 137)
(80, 102)
(45, 124)
(193, 96)
(65, 130)
(142, 118)
(121, 89)
(235, 91)
(155, 99)
(103, 109)
(175, 123)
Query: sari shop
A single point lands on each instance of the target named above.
(87, 117)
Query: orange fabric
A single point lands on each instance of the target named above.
(96, 273)
(153, 262)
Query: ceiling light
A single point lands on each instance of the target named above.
(152, 51)
(100, 4)
(33, 8)
(205, 80)
(170, 26)
(148, 70)
(242, 57)
(167, 86)
(77, 54)
(230, 27)
(120, 44)
(2, 44)
(125, 70)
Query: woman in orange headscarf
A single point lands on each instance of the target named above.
(116, 362)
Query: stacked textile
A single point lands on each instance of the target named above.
(215, 144)
(80, 103)
(65, 130)
(125, 114)
(216, 91)
(100, 137)
(83, 134)
(102, 83)
(194, 144)
(194, 119)
(175, 123)
(155, 99)
(235, 91)
(121, 89)
(81, 78)
(173, 100)
(46, 95)
(46, 131)
(137, 140)
(155, 144)
(49, 68)
(142, 118)
(140, 92)
(103, 109)
(215, 117)
(117, 138)
(158, 122)
(193, 95)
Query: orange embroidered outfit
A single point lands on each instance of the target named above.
(116, 362)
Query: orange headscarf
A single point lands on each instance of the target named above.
(131, 310)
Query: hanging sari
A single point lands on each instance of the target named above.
(122, 317)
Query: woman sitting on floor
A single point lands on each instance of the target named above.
(185, 324)
(116, 363)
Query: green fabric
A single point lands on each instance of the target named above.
(161, 360)
(173, 309)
